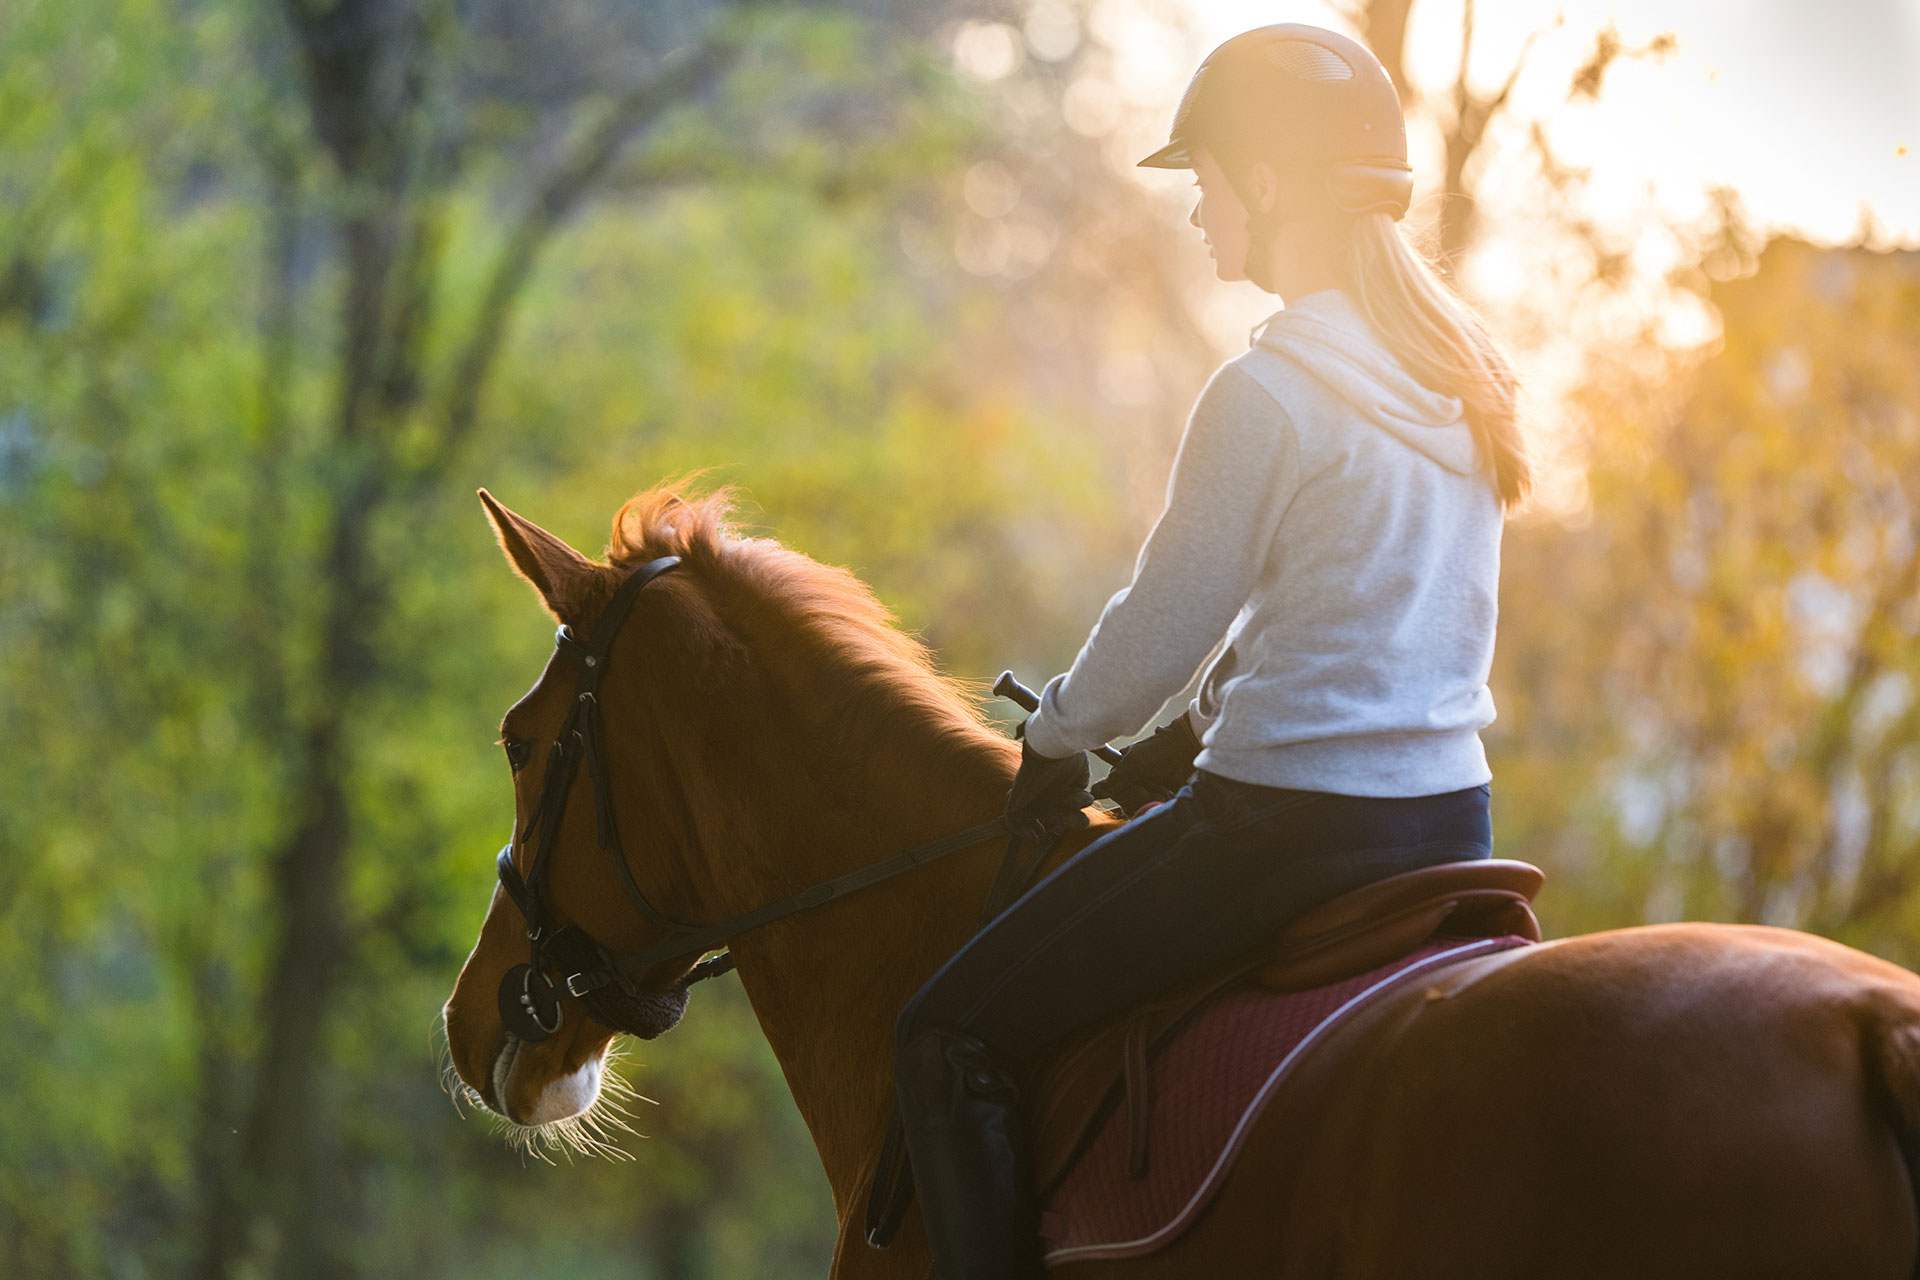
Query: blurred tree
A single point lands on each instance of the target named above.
(277, 288)
(1463, 112)
(380, 81)
(280, 284)
(1742, 741)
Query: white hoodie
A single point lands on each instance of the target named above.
(1328, 515)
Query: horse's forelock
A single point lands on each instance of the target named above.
(666, 521)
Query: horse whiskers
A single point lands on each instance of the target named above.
(594, 1132)
(615, 1089)
(456, 1089)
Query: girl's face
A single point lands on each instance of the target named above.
(1221, 217)
(1299, 256)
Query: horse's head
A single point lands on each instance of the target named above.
(756, 723)
(616, 879)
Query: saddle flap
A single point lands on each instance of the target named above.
(1211, 1081)
(1078, 1085)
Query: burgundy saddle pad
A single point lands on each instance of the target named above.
(1206, 1087)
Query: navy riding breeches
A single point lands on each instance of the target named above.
(1205, 879)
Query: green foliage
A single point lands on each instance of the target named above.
(1705, 687)
(171, 470)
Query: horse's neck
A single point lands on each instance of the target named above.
(827, 984)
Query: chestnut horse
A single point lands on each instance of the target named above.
(1680, 1101)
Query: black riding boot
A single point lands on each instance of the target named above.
(970, 1162)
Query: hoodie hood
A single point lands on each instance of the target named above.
(1325, 335)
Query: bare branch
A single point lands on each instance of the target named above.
(1608, 49)
(561, 192)
(1472, 115)
(1499, 100)
(1385, 25)
(1461, 94)
(1353, 11)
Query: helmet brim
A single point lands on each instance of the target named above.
(1175, 155)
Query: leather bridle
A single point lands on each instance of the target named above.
(529, 999)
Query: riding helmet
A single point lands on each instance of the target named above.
(1300, 96)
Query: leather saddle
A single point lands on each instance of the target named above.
(1076, 1090)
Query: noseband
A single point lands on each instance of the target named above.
(529, 998)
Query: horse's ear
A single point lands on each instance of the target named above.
(559, 573)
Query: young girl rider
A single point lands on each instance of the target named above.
(1334, 515)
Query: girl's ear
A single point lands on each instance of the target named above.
(561, 575)
(1263, 184)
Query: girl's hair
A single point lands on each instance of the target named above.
(1441, 342)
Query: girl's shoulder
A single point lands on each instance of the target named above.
(1324, 366)
(1238, 408)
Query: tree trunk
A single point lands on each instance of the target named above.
(369, 70)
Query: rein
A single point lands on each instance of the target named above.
(529, 999)
(711, 937)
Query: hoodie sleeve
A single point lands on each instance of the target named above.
(1236, 473)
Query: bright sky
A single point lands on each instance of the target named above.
(1805, 108)
(1810, 111)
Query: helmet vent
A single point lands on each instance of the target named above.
(1304, 60)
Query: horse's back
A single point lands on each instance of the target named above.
(1689, 1100)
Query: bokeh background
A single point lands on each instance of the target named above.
(283, 281)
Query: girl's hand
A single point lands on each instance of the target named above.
(1049, 794)
(1153, 768)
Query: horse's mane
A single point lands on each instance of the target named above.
(885, 673)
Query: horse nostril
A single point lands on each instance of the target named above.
(495, 1093)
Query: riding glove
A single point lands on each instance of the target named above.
(1153, 768)
(1048, 793)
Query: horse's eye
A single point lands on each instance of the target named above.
(517, 753)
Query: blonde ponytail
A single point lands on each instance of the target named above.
(1442, 344)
